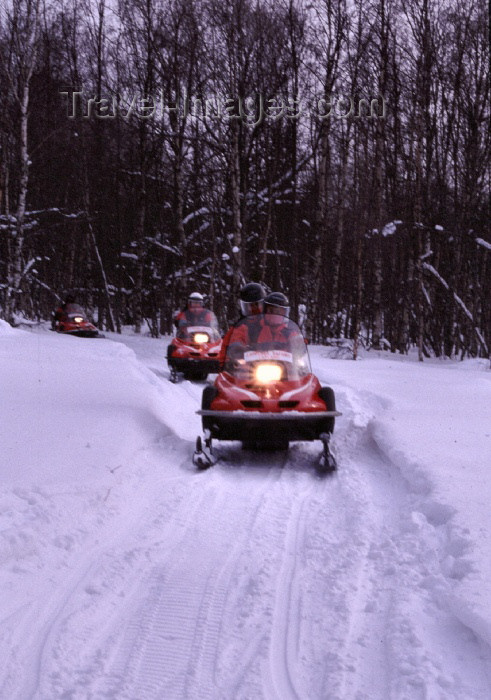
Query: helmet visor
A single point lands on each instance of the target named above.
(250, 308)
(278, 310)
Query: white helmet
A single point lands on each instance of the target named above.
(195, 300)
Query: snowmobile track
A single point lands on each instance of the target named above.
(171, 643)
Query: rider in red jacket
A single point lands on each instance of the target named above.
(251, 298)
(195, 314)
(60, 313)
(271, 328)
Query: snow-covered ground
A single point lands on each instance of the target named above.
(127, 574)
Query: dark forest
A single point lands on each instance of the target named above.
(336, 151)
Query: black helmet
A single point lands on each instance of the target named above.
(277, 303)
(251, 298)
(70, 299)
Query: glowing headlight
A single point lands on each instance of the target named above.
(268, 373)
(201, 337)
(78, 319)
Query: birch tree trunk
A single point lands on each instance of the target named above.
(265, 236)
(358, 296)
(18, 245)
(295, 33)
(138, 288)
(25, 29)
(237, 252)
(377, 331)
(338, 245)
(332, 16)
(320, 227)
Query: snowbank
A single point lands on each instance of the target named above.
(431, 421)
(6, 328)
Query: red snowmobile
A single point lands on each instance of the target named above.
(72, 320)
(266, 396)
(194, 352)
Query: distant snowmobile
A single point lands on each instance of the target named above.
(266, 396)
(71, 319)
(194, 352)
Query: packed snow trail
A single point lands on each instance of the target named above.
(255, 579)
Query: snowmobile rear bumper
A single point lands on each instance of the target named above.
(190, 364)
(257, 426)
(82, 333)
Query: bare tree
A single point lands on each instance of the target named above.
(23, 23)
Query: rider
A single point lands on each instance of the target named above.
(195, 313)
(275, 327)
(251, 298)
(60, 312)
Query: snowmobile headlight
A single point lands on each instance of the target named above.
(201, 338)
(78, 319)
(267, 372)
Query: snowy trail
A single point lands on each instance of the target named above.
(256, 579)
(225, 555)
(403, 639)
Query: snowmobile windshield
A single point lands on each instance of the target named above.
(204, 317)
(198, 334)
(213, 322)
(267, 348)
(74, 309)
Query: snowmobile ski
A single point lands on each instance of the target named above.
(201, 457)
(327, 461)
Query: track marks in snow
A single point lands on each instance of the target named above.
(280, 593)
(286, 614)
(402, 625)
(219, 613)
(258, 580)
(168, 644)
